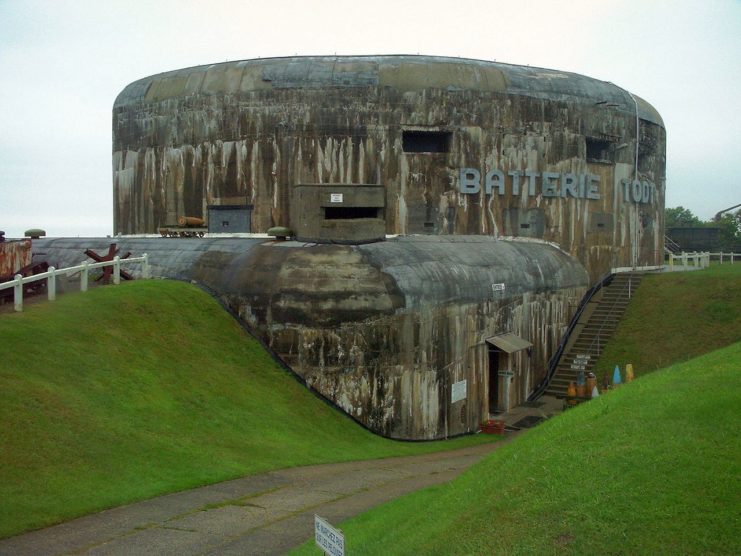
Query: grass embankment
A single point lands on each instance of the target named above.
(125, 393)
(651, 468)
(674, 317)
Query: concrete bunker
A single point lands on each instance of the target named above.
(510, 189)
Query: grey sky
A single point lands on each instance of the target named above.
(63, 63)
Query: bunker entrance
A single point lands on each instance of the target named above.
(494, 355)
(501, 368)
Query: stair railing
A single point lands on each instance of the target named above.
(610, 313)
(556, 357)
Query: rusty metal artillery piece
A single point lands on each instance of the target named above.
(15, 258)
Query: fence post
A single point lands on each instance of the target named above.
(145, 267)
(684, 258)
(721, 256)
(83, 277)
(51, 284)
(18, 293)
(731, 257)
(116, 270)
(671, 261)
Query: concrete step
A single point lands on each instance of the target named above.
(595, 333)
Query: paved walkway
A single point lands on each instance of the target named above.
(262, 514)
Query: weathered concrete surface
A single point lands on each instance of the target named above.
(384, 330)
(263, 514)
(248, 132)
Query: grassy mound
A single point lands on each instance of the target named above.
(125, 393)
(651, 468)
(675, 317)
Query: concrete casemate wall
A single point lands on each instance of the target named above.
(462, 147)
(383, 330)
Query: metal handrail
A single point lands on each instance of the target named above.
(610, 314)
(556, 357)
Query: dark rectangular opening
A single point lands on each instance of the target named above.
(599, 150)
(426, 141)
(524, 226)
(493, 379)
(349, 213)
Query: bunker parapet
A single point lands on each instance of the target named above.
(413, 337)
(460, 147)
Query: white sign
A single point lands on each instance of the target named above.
(458, 392)
(329, 539)
(335, 197)
(497, 287)
(580, 362)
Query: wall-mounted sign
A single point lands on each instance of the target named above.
(458, 391)
(549, 184)
(335, 197)
(643, 192)
(497, 287)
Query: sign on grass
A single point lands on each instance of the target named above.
(329, 539)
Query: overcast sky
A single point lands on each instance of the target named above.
(62, 63)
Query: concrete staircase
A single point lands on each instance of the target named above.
(593, 330)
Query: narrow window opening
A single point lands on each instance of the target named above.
(426, 141)
(524, 226)
(349, 213)
(598, 150)
(224, 223)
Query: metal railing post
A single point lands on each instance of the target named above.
(116, 270)
(18, 293)
(83, 276)
(51, 284)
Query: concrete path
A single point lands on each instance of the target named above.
(263, 514)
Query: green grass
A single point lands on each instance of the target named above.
(125, 393)
(651, 468)
(675, 317)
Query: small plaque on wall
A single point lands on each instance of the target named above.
(458, 392)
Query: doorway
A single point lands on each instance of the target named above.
(494, 355)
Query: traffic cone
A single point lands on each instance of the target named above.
(629, 372)
(616, 380)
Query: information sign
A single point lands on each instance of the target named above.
(329, 539)
(458, 392)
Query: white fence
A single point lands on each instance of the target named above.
(84, 269)
(702, 259)
(725, 257)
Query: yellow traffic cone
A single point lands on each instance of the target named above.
(629, 372)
